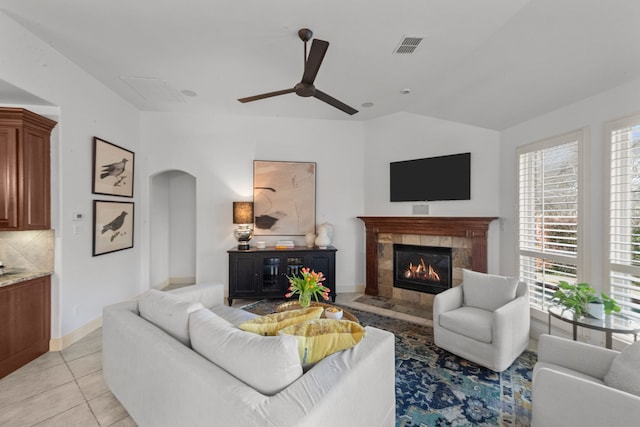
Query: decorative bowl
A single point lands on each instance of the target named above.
(333, 313)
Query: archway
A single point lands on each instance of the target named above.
(172, 226)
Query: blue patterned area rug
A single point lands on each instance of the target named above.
(437, 388)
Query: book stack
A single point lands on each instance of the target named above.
(285, 244)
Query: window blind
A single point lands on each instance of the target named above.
(624, 214)
(548, 191)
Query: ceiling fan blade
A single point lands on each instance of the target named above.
(334, 102)
(316, 55)
(266, 95)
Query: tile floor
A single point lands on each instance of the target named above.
(62, 389)
(66, 388)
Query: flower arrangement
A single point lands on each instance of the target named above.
(307, 285)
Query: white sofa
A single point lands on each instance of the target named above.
(484, 320)
(569, 386)
(162, 381)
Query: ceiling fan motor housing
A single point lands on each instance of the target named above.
(305, 34)
(305, 89)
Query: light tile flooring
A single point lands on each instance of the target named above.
(62, 389)
(67, 389)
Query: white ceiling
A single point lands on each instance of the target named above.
(489, 63)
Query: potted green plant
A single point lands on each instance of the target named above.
(578, 297)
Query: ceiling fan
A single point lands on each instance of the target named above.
(311, 66)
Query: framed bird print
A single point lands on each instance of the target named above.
(112, 226)
(113, 168)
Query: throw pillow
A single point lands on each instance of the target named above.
(321, 337)
(272, 323)
(168, 312)
(487, 291)
(268, 364)
(624, 373)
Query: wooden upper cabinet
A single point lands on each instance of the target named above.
(25, 171)
(8, 178)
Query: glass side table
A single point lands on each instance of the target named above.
(612, 323)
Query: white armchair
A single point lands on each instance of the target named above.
(484, 320)
(569, 386)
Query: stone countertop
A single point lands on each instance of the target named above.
(13, 276)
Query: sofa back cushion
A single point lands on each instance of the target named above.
(487, 291)
(266, 363)
(624, 373)
(168, 312)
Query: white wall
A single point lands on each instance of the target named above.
(82, 284)
(406, 136)
(590, 113)
(219, 152)
(182, 228)
(159, 230)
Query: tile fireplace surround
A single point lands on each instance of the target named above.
(467, 236)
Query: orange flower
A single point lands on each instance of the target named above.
(308, 282)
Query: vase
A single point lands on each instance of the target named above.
(596, 310)
(323, 240)
(328, 227)
(309, 239)
(305, 299)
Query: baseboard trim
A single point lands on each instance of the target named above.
(58, 344)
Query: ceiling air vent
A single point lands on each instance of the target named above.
(408, 44)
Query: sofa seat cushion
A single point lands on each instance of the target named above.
(169, 312)
(487, 291)
(624, 373)
(562, 369)
(272, 323)
(471, 322)
(266, 363)
(319, 338)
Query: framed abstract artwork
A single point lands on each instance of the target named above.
(284, 198)
(112, 226)
(113, 169)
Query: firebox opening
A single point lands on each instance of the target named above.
(422, 268)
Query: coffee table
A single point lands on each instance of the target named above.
(294, 305)
(612, 323)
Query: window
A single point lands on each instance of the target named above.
(624, 213)
(549, 200)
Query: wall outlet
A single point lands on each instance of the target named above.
(420, 209)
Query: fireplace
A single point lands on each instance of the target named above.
(422, 268)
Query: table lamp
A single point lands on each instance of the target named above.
(243, 217)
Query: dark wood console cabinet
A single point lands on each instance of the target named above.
(262, 273)
(24, 170)
(25, 319)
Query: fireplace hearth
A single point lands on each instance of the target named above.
(422, 268)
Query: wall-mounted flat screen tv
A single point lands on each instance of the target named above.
(433, 178)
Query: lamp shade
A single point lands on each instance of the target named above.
(243, 212)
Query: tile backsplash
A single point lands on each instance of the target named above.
(33, 250)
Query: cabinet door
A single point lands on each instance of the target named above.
(324, 262)
(36, 175)
(243, 276)
(8, 178)
(273, 281)
(25, 315)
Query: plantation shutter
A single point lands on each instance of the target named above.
(624, 216)
(548, 189)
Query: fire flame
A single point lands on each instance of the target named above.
(421, 271)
